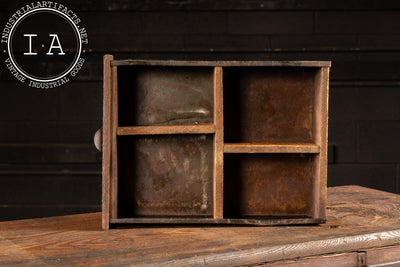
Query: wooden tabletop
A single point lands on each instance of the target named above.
(358, 219)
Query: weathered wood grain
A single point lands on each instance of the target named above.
(266, 221)
(358, 219)
(106, 162)
(113, 137)
(320, 137)
(177, 129)
(384, 255)
(344, 260)
(218, 170)
(271, 148)
(124, 62)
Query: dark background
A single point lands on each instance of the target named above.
(48, 164)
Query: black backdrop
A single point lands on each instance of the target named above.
(48, 165)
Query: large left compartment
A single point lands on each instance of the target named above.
(163, 118)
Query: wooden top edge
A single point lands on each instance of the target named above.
(241, 63)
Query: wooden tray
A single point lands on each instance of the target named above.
(209, 142)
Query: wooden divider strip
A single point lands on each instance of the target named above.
(176, 129)
(114, 149)
(106, 141)
(271, 148)
(218, 173)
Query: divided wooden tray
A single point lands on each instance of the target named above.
(214, 142)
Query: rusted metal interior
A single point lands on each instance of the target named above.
(268, 104)
(151, 95)
(215, 142)
(268, 185)
(167, 175)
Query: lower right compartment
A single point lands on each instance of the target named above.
(268, 185)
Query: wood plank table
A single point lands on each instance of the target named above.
(363, 229)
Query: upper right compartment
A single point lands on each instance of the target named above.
(269, 104)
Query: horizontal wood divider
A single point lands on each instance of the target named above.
(271, 148)
(179, 129)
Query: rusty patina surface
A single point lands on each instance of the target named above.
(165, 175)
(268, 184)
(165, 96)
(268, 104)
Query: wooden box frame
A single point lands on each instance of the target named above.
(303, 149)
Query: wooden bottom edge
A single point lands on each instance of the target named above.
(211, 221)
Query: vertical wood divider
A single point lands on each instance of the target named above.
(114, 157)
(106, 145)
(320, 136)
(218, 168)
